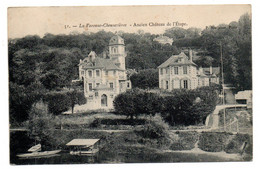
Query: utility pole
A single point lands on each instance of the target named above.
(223, 90)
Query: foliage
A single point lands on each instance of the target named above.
(61, 101)
(179, 107)
(136, 102)
(154, 128)
(41, 123)
(145, 79)
(189, 107)
(155, 133)
(185, 140)
(21, 99)
(213, 142)
(239, 144)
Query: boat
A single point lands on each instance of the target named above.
(35, 148)
(39, 154)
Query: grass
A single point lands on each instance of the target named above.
(74, 121)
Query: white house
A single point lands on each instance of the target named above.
(179, 71)
(163, 40)
(104, 78)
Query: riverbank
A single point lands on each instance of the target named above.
(131, 146)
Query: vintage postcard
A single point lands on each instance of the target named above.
(130, 84)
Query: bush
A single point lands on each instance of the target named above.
(156, 132)
(179, 107)
(236, 145)
(213, 142)
(185, 141)
(58, 102)
(188, 107)
(136, 102)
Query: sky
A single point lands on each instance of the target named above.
(64, 20)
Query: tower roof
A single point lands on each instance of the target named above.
(116, 40)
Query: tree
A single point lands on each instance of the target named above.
(76, 97)
(145, 79)
(136, 102)
(41, 123)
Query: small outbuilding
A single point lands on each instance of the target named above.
(83, 146)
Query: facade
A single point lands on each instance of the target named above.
(104, 78)
(179, 71)
(163, 40)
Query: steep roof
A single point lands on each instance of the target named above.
(177, 60)
(116, 40)
(99, 63)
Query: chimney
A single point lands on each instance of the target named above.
(210, 70)
(190, 54)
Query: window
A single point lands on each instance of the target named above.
(111, 85)
(82, 72)
(185, 84)
(114, 72)
(185, 70)
(161, 71)
(128, 84)
(89, 73)
(96, 94)
(97, 73)
(167, 85)
(176, 70)
(166, 70)
(97, 84)
(115, 50)
(90, 86)
(106, 72)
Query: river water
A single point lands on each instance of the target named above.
(19, 143)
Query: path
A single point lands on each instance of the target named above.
(213, 123)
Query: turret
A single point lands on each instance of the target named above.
(117, 51)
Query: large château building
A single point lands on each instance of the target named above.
(104, 77)
(179, 71)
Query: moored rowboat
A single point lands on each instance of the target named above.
(35, 148)
(39, 154)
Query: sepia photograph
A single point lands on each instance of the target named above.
(130, 84)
